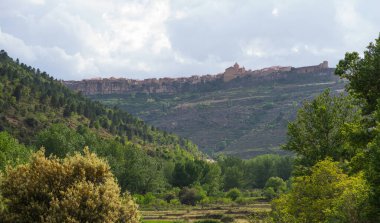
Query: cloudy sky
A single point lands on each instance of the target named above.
(76, 39)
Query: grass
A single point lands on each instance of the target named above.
(191, 214)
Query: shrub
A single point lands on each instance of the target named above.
(79, 188)
(233, 193)
(189, 196)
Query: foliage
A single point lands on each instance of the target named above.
(259, 169)
(327, 195)
(11, 151)
(274, 187)
(322, 129)
(190, 196)
(79, 188)
(31, 101)
(234, 194)
(363, 74)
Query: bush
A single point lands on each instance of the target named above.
(75, 189)
(189, 196)
(233, 193)
(12, 152)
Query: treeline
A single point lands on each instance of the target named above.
(140, 172)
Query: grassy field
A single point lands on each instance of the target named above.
(239, 213)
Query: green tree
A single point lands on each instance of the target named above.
(75, 189)
(60, 140)
(274, 187)
(11, 151)
(187, 173)
(364, 84)
(363, 74)
(190, 196)
(327, 195)
(141, 173)
(323, 128)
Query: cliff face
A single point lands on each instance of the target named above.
(104, 86)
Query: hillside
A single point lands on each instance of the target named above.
(238, 112)
(31, 101)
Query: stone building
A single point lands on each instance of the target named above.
(233, 72)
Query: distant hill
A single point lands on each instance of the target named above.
(240, 112)
(31, 101)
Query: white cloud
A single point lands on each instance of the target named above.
(275, 12)
(74, 39)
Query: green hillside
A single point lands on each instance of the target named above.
(245, 117)
(31, 101)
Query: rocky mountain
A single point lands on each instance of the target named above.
(240, 112)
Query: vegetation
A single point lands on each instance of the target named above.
(79, 188)
(336, 140)
(160, 170)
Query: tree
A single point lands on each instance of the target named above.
(140, 173)
(364, 84)
(363, 74)
(274, 187)
(60, 140)
(187, 173)
(323, 128)
(11, 151)
(79, 188)
(327, 195)
(190, 196)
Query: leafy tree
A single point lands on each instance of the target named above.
(327, 195)
(187, 173)
(141, 173)
(233, 178)
(211, 177)
(363, 74)
(371, 165)
(190, 196)
(75, 189)
(11, 151)
(322, 129)
(60, 140)
(274, 187)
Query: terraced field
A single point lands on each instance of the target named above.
(240, 213)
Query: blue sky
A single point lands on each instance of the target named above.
(73, 39)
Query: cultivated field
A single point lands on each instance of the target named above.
(240, 213)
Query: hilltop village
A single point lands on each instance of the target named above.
(171, 85)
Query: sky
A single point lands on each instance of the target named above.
(78, 39)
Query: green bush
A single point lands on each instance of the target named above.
(233, 193)
(189, 196)
(75, 189)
